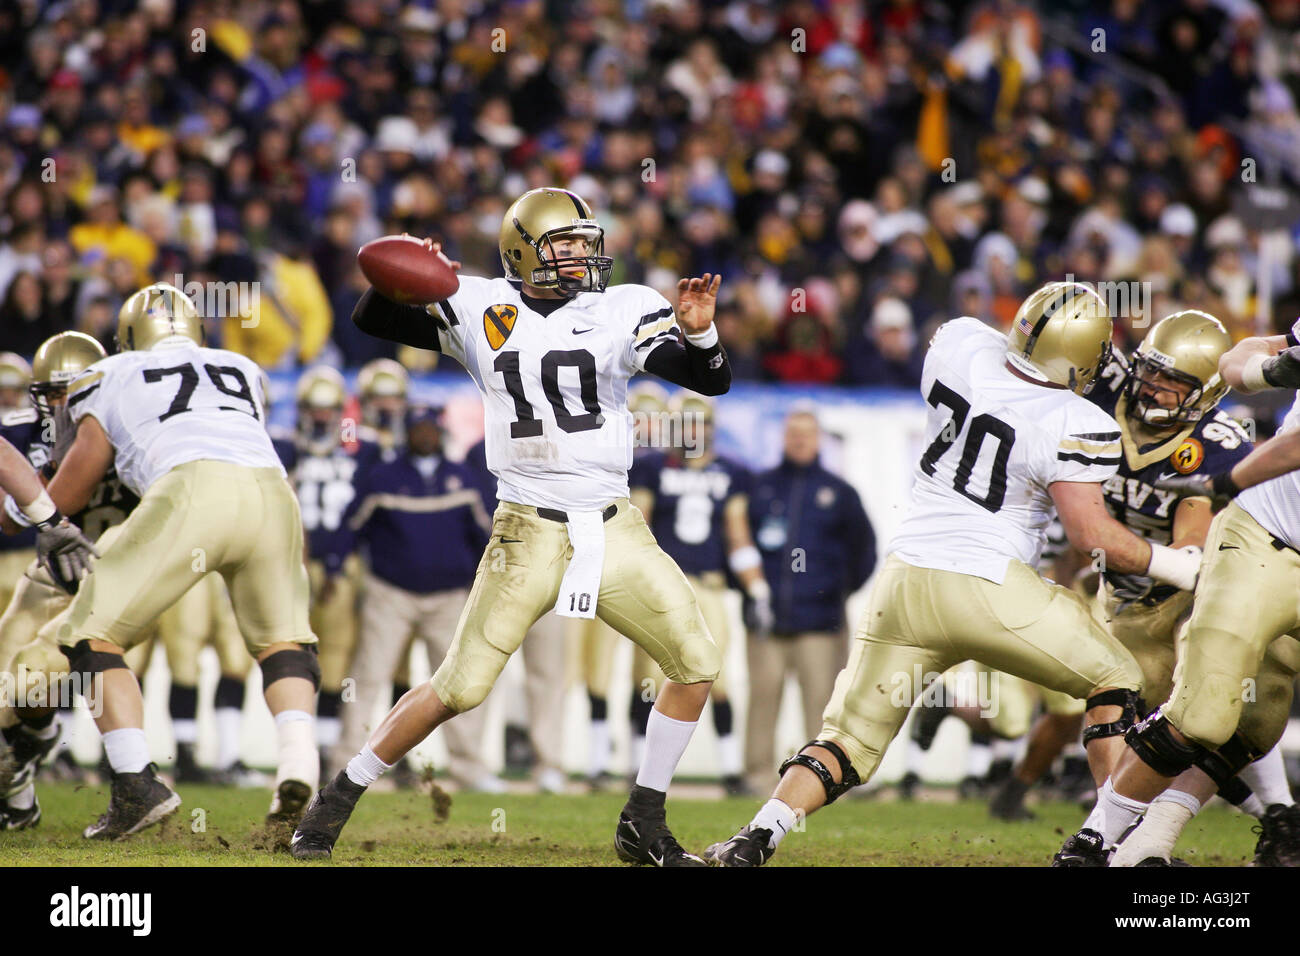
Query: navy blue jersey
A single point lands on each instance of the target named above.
(1212, 445)
(690, 500)
(325, 485)
(109, 503)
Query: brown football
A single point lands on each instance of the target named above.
(403, 270)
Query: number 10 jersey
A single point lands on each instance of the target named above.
(175, 404)
(994, 443)
(557, 428)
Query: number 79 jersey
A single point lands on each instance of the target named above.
(170, 405)
(994, 444)
(557, 428)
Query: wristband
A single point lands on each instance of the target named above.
(1176, 566)
(40, 511)
(15, 513)
(704, 340)
(1252, 374)
(742, 559)
(1224, 486)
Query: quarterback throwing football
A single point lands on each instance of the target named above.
(551, 349)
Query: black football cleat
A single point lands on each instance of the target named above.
(908, 786)
(746, 848)
(1279, 836)
(1008, 801)
(325, 818)
(11, 818)
(643, 837)
(138, 800)
(1084, 848)
(26, 754)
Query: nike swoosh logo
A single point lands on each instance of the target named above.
(581, 331)
(1229, 547)
(511, 540)
(659, 860)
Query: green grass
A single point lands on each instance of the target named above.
(399, 829)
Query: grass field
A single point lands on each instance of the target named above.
(400, 829)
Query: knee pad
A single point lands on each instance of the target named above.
(81, 659)
(1133, 706)
(1154, 743)
(1223, 765)
(466, 699)
(700, 661)
(299, 662)
(848, 776)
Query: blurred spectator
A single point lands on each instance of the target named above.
(885, 352)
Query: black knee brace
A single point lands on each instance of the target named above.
(82, 660)
(1153, 742)
(1133, 706)
(1223, 765)
(299, 662)
(848, 776)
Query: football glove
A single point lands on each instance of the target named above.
(1283, 369)
(756, 609)
(64, 551)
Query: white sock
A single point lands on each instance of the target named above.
(1253, 806)
(299, 759)
(729, 756)
(24, 798)
(228, 722)
(1180, 797)
(127, 750)
(638, 751)
(1157, 833)
(776, 816)
(1113, 814)
(328, 731)
(1267, 778)
(365, 768)
(185, 730)
(665, 742)
(978, 759)
(1004, 749)
(915, 757)
(598, 754)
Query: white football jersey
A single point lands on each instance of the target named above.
(173, 404)
(994, 443)
(1275, 503)
(557, 427)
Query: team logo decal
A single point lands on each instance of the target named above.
(498, 323)
(1187, 457)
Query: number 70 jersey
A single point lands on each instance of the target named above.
(173, 404)
(994, 444)
(557, 428)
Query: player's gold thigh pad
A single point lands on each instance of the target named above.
(645, 595)
(1246, 597)
(1149, 632)
(516, 583)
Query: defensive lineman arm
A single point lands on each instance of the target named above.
(59, 545)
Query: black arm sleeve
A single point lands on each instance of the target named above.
(701, 370)
(405, 324)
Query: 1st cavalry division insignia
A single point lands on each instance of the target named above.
(1187, 457)
(498, 323)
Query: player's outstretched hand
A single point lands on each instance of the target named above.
(437, 247)
(1220, 488)
(696, 300)
(64, 551)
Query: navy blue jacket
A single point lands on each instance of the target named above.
(422, 535)
(817, 544)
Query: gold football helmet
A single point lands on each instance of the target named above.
(321, 395)
(530, 227)
(15, 379)
(1185, 347)
(159, 311)
(1061, 335)
(695, 413)
(59, 360)
(382, 387)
